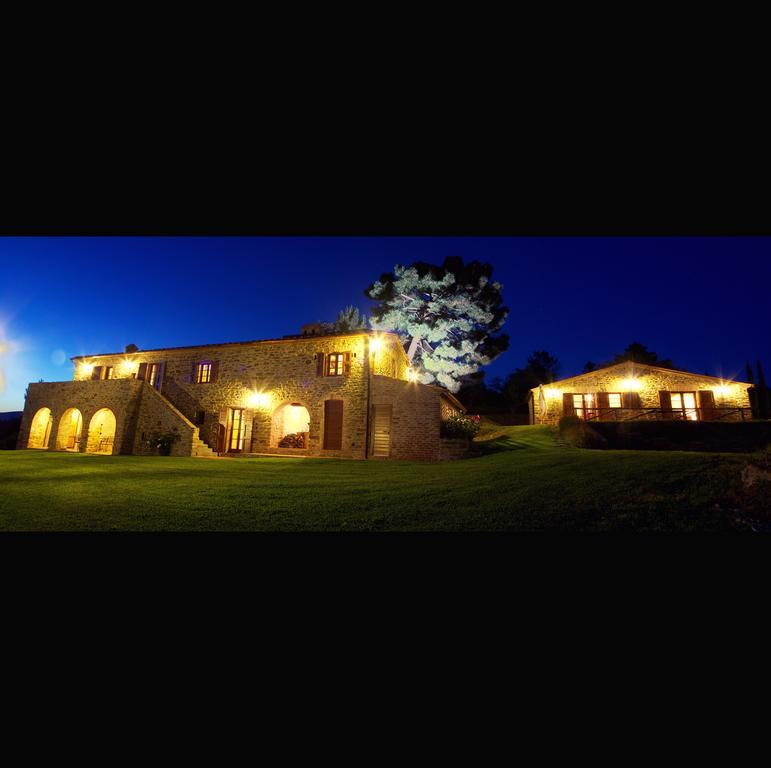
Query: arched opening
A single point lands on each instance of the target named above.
(101, 432)
(40, 430)
(290, 426)
(70, 429)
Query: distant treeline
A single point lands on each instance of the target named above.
(9, 430)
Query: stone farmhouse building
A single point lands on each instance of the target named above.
(628, 391)
(348, 395)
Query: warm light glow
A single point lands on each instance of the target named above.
(412, 374)
(630, 385)
(552, 394)
(127, 367)
(258, 400)
(86, 368)
(375, 344)
(722, 390)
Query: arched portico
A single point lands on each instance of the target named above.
(290, 426)
(40, 429)
(101, 432)
(70, 429)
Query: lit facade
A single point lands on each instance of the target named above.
(345, 395)
(631, 391)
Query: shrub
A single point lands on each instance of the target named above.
(460, 425)
(162, 441)
(577, 432)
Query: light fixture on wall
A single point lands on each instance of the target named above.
(375, 344)
(258, 400)
(86, 368)
(630, 385)
(412, 375)
(722, 390)
(552, 394)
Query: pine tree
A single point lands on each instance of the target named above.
(348, 319)
(752, 393)
(446, 316)
(750, 375)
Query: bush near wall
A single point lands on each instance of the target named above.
(685, 435)
(460, 425)
(578, 433)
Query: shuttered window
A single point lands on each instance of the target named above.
(333, 425)
(381, 430)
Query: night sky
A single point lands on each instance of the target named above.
(703, 302)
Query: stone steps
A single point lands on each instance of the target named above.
(201, 449)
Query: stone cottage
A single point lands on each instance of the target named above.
(348, 395)
(628, 391)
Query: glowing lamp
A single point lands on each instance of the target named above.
(412, 375)
(552, 394)
(258, 400)
(630, 385)
(86, 368)
(127, 367)
(375, 344)
(722, 390)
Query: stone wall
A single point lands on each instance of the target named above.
(454, 448)
(651, 381)
(137, 409)
(279, 372)
(415, 419)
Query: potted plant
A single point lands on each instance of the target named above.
(162, 441)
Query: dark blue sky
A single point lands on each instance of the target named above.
(701, 301)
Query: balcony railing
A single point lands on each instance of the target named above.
(659, 414)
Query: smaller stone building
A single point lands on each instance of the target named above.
(629, 391)
(347, 395)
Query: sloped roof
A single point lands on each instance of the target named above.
(297, 337)
(628, 364)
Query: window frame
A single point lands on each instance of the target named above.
(339, 358)
(684, 410)
(199, 369)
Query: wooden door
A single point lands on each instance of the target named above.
(235, 441)
(381, 430)
(333, 425)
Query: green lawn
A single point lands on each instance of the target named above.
(524, 482)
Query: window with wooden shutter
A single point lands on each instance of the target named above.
(347, 364)
(319, 363)
(97, 372)
(567, 404)
(665, 399)
(707, 404)
(333, 425)
(215, 370)
(381, 430)
(142, 372)
(632, 400)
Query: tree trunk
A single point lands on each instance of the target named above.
(413, 347)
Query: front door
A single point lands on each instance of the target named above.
(235, 433)
(381, 439)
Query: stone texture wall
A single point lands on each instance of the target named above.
(415, 420)
(454, 448)
(137, 408)
(282, 371)
(652, 380)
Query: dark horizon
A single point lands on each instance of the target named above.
(700, 301)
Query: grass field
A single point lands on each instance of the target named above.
(524, 482)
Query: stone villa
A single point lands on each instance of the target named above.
(346, 395)
(629, 391)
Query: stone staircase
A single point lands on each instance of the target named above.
(201, 449)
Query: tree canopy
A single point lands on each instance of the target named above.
(349, 319)
(448, 317)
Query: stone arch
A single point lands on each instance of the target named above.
(70, 430)
(40, 429)
(101, 432)
(290, 418)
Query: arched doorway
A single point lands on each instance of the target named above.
(70, 429)
(40, 430)
(101, 432)
(290, 426)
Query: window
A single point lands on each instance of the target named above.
(152, 373)
(614, 400)
(108, 372)
(684, 405)
(335, 363)
(583, 406)
(235, 429)
(203, 373)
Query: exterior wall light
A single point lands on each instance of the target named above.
(722, 390)
(630, 385)
(86, 368)
(552, 394)
(412, 374)
(258, 400)
(375, 344)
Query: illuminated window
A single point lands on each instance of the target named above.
(108, 372)
(203, 373)
(152, 373)
(335, 363)
(614, 399)
(684, 405)
(235, 429)
(583, 406)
